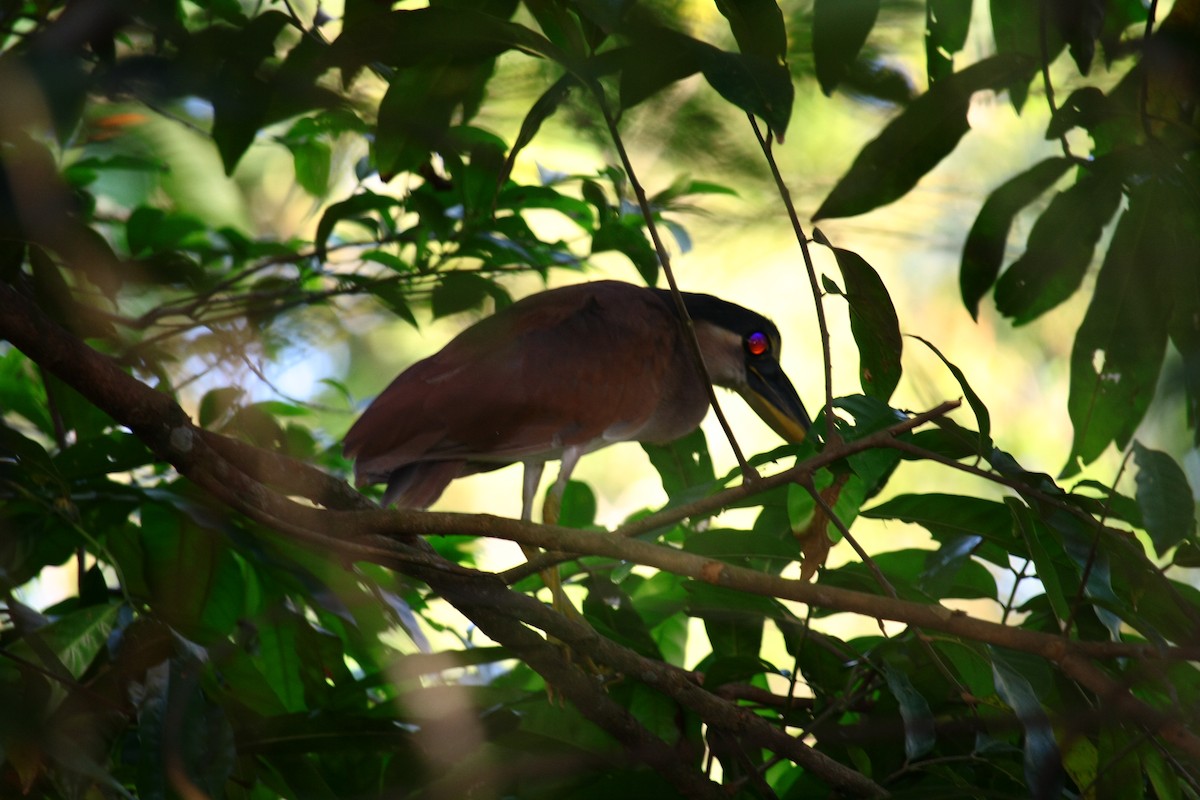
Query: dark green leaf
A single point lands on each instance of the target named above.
(874, 324)
(1120, 344)
(946, 26)
(919, 734)
(1036, 534)
(754, 84)
(460, 291)
(438, 34)
(1043, 770)
(1165, 498)
(242, 99)
(839, 30)
(757, 26)
(73, 641)
(914, 142)
(982, 418)
(102, 455)
(1017, 29)
(983, 251)
(1060, 246)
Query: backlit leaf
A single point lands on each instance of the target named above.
(1165, 498)
(918, 139)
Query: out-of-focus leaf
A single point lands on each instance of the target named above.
(1043, 765)
(1120, 344)
(349, 209)
(242, 99)
(919, 734)
(874, 324)
(461, 291)
(578, 508)
(438, 34)
(103, 455)
(983, 251)
(1017, 30)
(839, 30)
(921, 136)
(1079, 24)
(946, 26)
(216, 403)
(757, 26)
(1165, 498)
(1060, 246)
(982, 418)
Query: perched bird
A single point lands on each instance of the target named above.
(558, 375)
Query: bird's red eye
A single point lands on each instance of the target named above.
(757, 343)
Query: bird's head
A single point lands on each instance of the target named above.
(741, 349)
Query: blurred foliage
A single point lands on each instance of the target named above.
(202, 654)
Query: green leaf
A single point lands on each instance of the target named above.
(74, 640)
(417, 110)
(914, 142)
(1060, 246)
(578, 505)
(1043, 770)
(1165, 498)
(948, 516)
(839, 30)
(920, 736)
(874, 324)
(311, 161)
(905, 570)
(983, 419)
(684, 466)
(1035, 533)
(1120, 344)
(631, 241)
(983, 251)
(195, 582)
(946, 26)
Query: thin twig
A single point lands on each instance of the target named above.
(814, 285)
(664, 258)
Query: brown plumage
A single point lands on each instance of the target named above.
(556, 375)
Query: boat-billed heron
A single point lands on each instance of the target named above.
(560, 374)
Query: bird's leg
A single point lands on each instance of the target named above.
(550, 577)
(550, 510)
